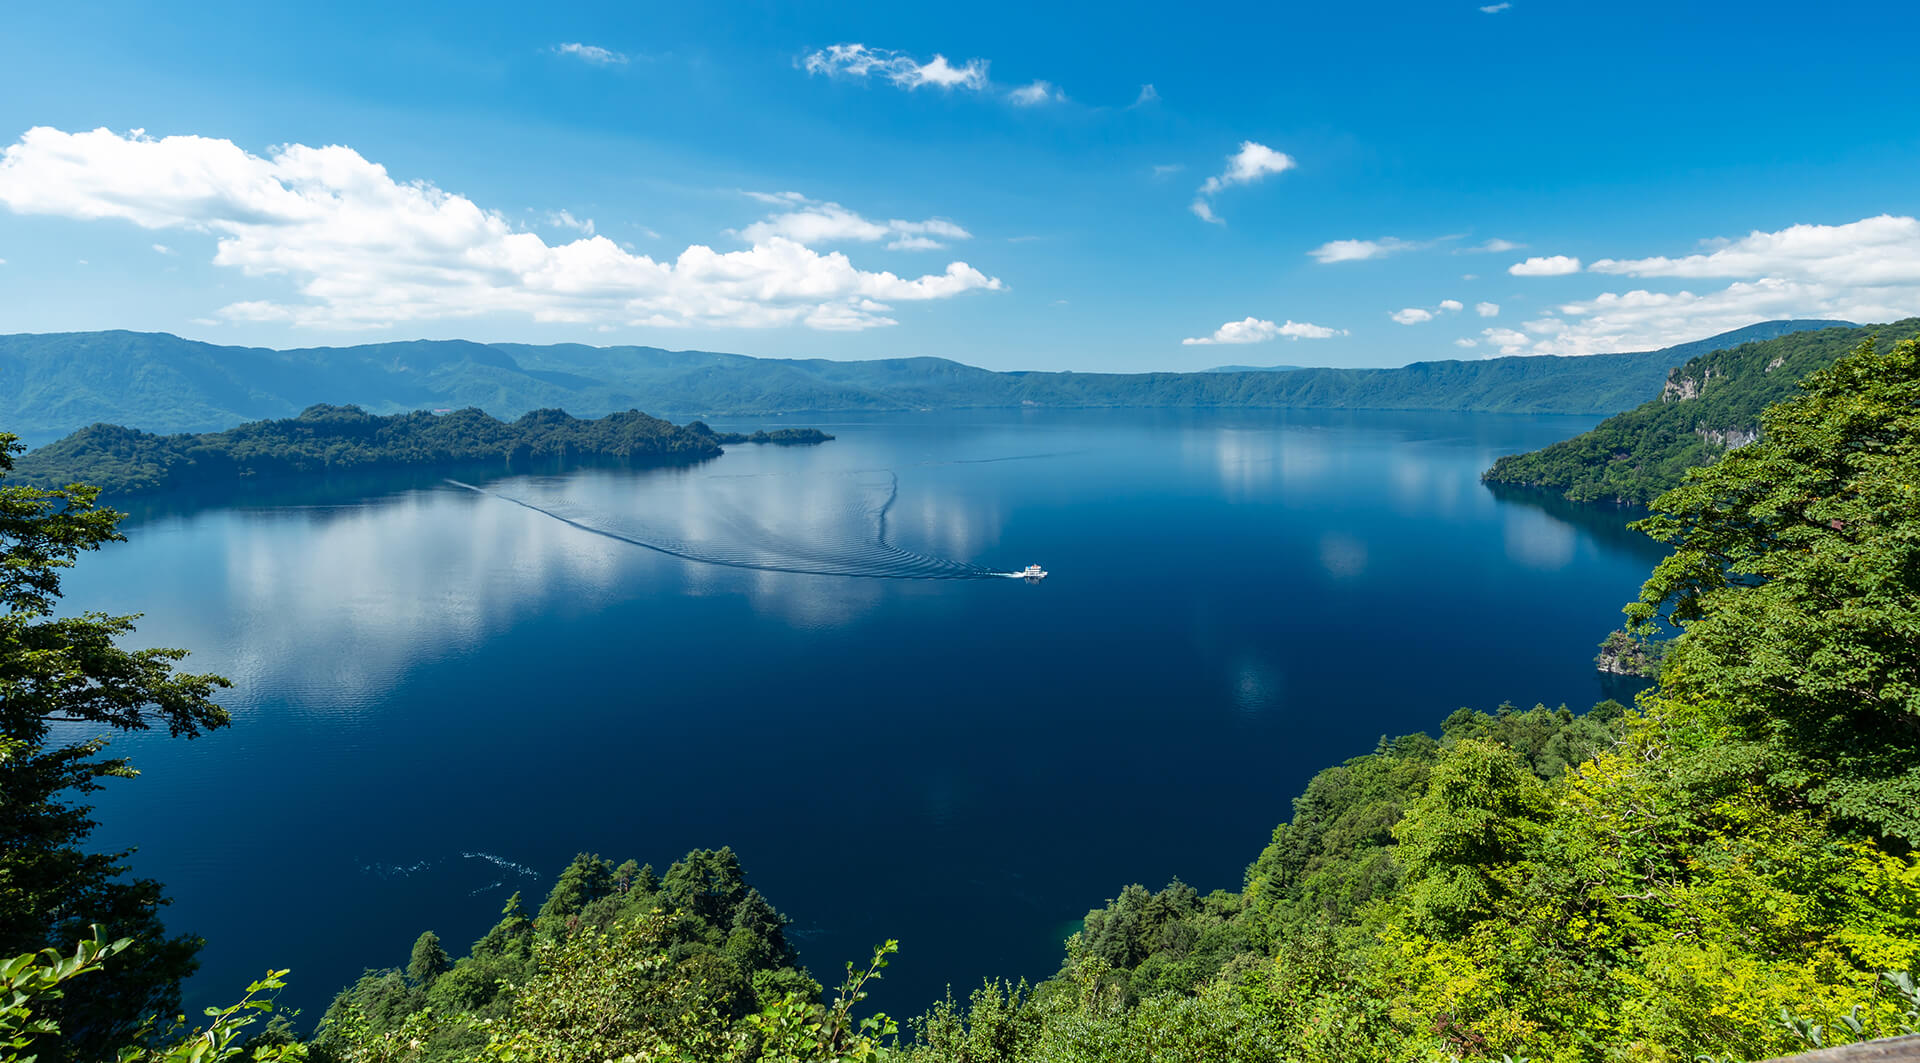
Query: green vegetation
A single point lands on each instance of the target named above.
(1727, 871)
(619, 961)
(53, 384)
(1708, 406)
(1623, 654)
(122, 461)
(66, 670)
(779, 437)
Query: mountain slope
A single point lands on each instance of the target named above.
(1708, 405)
(52, 384)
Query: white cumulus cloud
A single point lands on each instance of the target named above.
(363, 250)
(1256, 330)
(1465, 342)
(1871, 252)
(860, 61)
(1550, 266)
(1510, 341)
(591, 53)
(1411, 315)
(1866, 270)
(1487, 309)
(1452, 305)
(1251, 163)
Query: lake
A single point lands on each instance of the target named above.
(442, 692)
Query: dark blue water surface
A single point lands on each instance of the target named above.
(441, 694)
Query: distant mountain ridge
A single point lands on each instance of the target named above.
(1705, 407)
(52, 384)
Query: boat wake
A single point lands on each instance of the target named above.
(829, 526)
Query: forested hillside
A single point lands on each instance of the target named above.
(125, 461)
(1727, 871)
(54, 384)
(1707, 406)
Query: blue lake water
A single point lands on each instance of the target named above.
(441, 694)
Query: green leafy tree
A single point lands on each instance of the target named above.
(30, 983)
(1482, 809)
(71, 670)
(1795, 576)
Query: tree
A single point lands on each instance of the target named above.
(429, 960)
(707, 883)
(70, 670)
(1481, 809)
(586, 880)
(1795, 577)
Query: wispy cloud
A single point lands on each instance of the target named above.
(1251, 163)
(162, 249)
(860, 61)
(1361, 250)
(1548, 266)
(1256, 330)
(1036, 93)
(811, 221)
(1489, 247)
(566, 220)
(1487, 309)
(364, 250)
(1495, 9)
(1164, 169)
(1148, 94)
(591, 53)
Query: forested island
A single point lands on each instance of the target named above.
(52, 384)
(1708, 406)
(779, 437)
(1725, 871)
(125, 461)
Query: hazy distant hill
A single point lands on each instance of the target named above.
(1711, 403)
(1253, 369)
(52, 384)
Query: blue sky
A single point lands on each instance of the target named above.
(991, 184)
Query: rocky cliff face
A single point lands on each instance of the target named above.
(1728, 438)
(1682, 385)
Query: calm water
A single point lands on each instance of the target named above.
(441, 694)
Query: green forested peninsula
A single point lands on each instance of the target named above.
(1726, 871)
(53, 384)
(125, 461)
(1708, 406)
